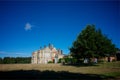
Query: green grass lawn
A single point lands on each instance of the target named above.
(102, 71)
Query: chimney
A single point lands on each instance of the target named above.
(44, 46)
(50, 46)
(40, 47)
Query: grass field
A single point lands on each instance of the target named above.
(104, 71)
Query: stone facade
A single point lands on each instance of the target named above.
(46, 54)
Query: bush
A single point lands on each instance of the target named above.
(113, 60)
(69, 60)
(73, 60)
(50, 61)
(60, 60)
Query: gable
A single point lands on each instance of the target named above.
(54, 50)
(47, 49)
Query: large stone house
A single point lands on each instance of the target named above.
(46, 54)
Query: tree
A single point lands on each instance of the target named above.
(92, 43)
(13, 60)
(1, 61)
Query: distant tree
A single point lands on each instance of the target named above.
(92, 43)
(1, 61)
(6, 60)
(14, 60)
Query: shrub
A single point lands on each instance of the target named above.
(59, 61)
(113, 60)
(50, 61)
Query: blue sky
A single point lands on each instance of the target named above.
(27, 25)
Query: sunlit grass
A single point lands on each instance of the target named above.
(110, 64)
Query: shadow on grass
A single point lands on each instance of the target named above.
(48, 75)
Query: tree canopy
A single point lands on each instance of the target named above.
(91, 42)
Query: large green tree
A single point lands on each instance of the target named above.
(92, 43)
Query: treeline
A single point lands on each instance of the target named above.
(15, 60)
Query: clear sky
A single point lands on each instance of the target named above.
(27, 25)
